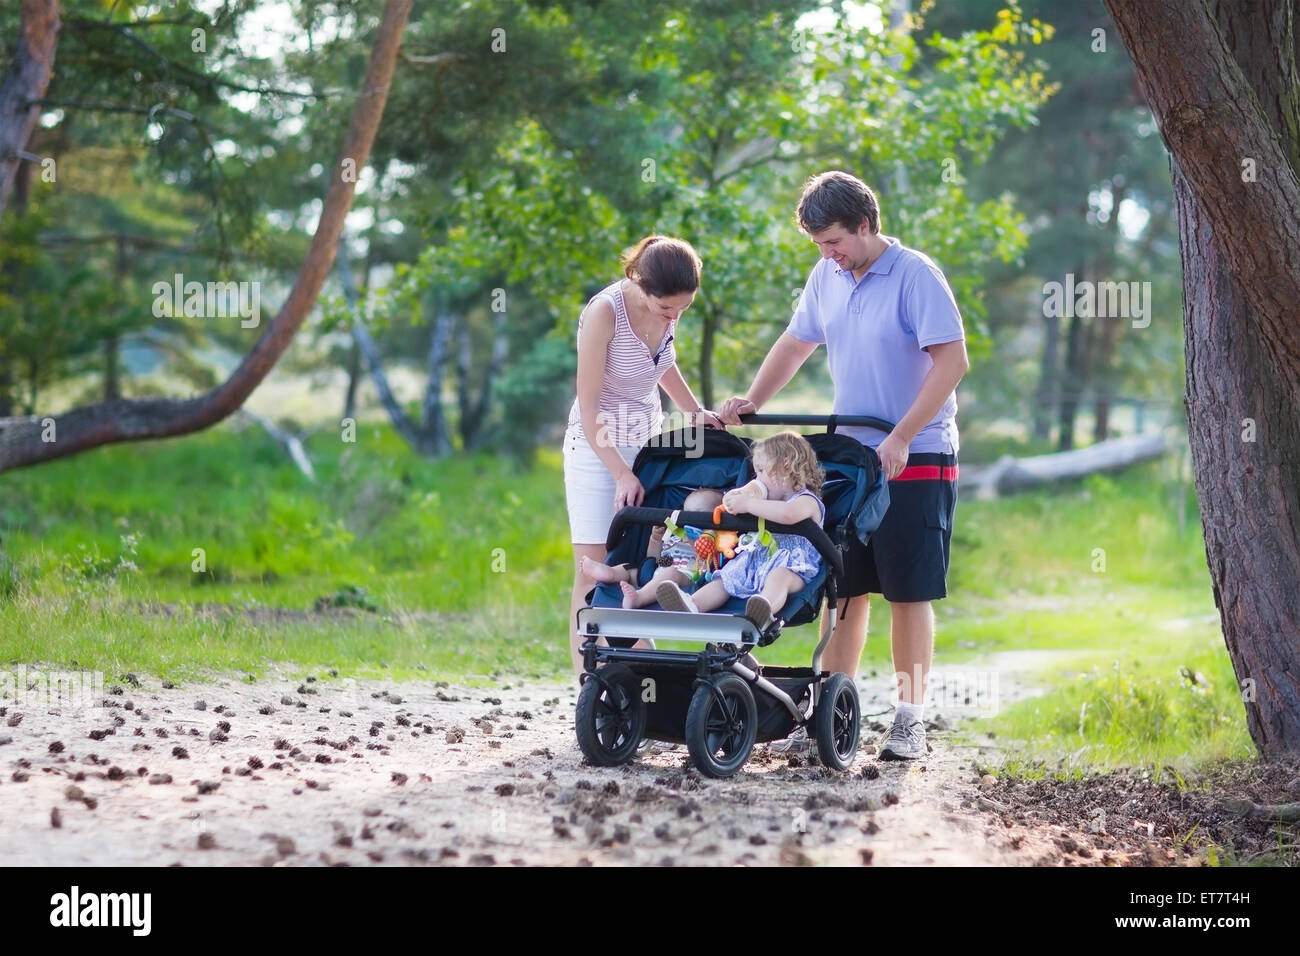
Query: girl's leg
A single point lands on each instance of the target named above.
(781, 585)
(708, 598)
(712, 596)
(636, 597)
(598, 570)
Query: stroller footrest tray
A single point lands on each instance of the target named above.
(667, 625)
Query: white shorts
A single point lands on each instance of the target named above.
(589, 489)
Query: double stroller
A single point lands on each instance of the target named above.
(712, 695)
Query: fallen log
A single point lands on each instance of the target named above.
(1010, 474)
(1277, 813)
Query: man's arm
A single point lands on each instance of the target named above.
(783, 360)
(950, 364)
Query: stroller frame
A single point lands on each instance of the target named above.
(618, 706)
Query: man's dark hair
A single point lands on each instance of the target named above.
(837, 197)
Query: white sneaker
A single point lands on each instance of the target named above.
(673, 598)
(758, 610)
(797, 743)
(905, 741)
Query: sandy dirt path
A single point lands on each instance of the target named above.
(334, 771)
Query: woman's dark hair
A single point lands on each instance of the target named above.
(836, 197)
(663, 266)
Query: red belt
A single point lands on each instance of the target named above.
(927, 473)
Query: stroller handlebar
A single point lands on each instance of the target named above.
(808, 528)
(828, 421)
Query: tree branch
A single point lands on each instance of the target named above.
(21, 439)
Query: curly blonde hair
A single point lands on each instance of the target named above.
(790, 457)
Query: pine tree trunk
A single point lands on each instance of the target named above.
(707, 335)
(437, 437)
(27, 79)
(1049, 381)
(1222, 82)
(1103, 375)
(1074, 379)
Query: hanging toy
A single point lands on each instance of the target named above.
(725, 541)
(706, 549)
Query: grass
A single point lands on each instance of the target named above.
(462, 560)
(211, 553)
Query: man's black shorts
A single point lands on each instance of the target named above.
(907, 557)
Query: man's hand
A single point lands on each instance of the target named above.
(734, 407)
(893, 456)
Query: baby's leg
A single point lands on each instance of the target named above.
(603, 572)
(639, 597)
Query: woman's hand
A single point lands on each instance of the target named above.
(628, 491)
(707, 418)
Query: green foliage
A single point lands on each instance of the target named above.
(743, 102)
(1093, 145)
(350, 595)
(10, 579)
(1178, 709)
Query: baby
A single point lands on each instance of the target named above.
(677, 558)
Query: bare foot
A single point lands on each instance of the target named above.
(603, 572)
(631, 600)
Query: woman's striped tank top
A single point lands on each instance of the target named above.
(629, 393)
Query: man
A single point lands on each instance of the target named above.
(896, 349)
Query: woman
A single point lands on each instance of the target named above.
(625, 354)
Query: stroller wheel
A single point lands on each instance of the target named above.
(611, 716)
(838, 722)
(721, 725)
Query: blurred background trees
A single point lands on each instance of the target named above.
(525, 144)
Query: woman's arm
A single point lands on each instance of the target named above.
(597, 331)
(675, 385)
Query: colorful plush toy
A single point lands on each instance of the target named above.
(710, 547)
